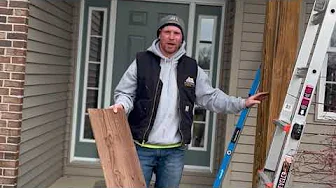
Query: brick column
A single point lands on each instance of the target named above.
(13, 51)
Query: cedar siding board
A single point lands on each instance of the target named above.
(45, 104)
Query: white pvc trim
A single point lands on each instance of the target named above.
(75, 97)
(201, 2)
(110, 53)
(192, 12)
(193, 168)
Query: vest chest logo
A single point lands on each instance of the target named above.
(189, 82)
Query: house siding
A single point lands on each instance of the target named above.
(46, 93)
(247, 53)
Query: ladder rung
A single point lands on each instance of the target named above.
(265, 179)
(301, 72)
(285, 126)
(320, 7)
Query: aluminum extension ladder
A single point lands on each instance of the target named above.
(292, 120)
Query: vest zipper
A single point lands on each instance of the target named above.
(180, 113)
(153, 108)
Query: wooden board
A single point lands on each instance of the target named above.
(116, 149)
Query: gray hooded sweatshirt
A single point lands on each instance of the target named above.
(166, 125)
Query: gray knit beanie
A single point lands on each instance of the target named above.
(171, 20)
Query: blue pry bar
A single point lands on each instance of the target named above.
(235, 136)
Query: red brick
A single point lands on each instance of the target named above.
(3, 3)
(6, 11)
(17, 76)
(8, 180)
(20, 4)
(20, 20)
(16, 92)
(19, 36)
(9, 132)
(9, 163)
(12, 116)
(3, 123)
(4, 60)
(12, 100)
(15, 52)
(22, 28)
(2, 35)
(6, 27)
(5, 43)
(18, 60)
(2, 51)
(3, 19)
(20, 12)
(14, 124)
(2, 156)
(4, 75)
(4, 107)
(14, 68)
(11, 155)
(10, 172)
(1, 66)
(4, 91)
(19, 44)
(15, 108)
(2, 139)
(17, 84)
(7, 147)
(13, 140)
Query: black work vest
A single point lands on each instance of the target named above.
(149, 86)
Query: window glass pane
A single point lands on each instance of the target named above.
(95, 49)
(200, 114)
(93, 77)
(88, 134)
(91, 99)
(198, 135)
(205, 42)
(206, 29)
(97, 20)
(204, 57)
(330, 98)
(331, 69)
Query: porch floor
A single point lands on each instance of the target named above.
(85, 182)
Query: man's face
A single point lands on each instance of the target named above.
(170, 40)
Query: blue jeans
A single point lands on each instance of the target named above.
(167, 164)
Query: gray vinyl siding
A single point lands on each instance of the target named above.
(252, 19)
(46, 91)
(250, 42)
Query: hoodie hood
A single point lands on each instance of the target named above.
(155, 48)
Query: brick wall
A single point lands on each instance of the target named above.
(13, 49)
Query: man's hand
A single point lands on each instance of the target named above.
(255, 99)
(116, 107)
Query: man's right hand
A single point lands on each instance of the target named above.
(117, 107)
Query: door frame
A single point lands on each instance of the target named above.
(109, 67)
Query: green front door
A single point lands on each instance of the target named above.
(135, 28)
(137, 23)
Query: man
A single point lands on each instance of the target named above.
(159, 91)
